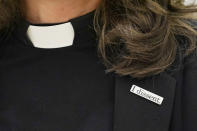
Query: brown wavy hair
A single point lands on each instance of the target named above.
(135, 37)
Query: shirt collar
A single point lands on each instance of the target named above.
(82, 25)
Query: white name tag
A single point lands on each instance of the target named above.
(146, 94)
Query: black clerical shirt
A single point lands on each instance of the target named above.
(59, 89)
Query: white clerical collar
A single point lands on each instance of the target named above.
(51, 36)
(56, 35)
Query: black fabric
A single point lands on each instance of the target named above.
(59, 89)
(67, 89)
(178, 112)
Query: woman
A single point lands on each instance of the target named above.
(98, 65)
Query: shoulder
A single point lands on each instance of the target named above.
(190, 69)
(190, 59)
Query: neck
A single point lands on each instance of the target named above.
(55, 11)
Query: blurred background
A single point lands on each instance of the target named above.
(187, 2)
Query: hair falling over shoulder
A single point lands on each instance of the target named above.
(139, 37)
(136, 37)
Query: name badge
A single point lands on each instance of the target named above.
(146, 94)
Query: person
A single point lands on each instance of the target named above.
(98, 65)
